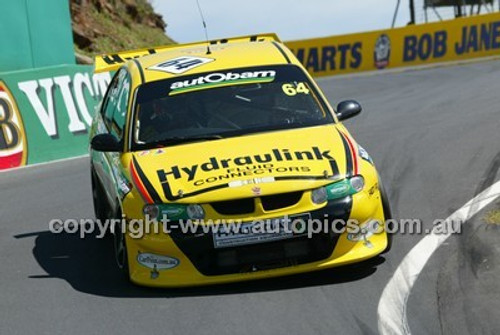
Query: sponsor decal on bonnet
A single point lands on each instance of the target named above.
(219, 163)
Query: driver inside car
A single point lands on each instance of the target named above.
(159, 117)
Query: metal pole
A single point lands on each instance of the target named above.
(395, 14)
(459, 8)
(483, 3)
(437, 13)
(412, 11)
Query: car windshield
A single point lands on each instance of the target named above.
(225, 104)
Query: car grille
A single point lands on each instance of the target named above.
(210, 261)
(277, 201)
(247, 205)
(234, 207)
(257, 257)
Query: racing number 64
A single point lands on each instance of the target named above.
(291, 89)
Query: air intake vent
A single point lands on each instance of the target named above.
(277, 201)
(234, 207)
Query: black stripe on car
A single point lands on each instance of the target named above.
(348, 156)
(149, 188)
(282, 52)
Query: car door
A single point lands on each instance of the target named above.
(111, 119)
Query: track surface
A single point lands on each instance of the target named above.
(434, 136)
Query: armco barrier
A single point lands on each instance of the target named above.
(45, 113)
(453, 40)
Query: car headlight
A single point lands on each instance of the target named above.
(174, 212)
(319, 195)
(195, 212)
(357, 183)
(345, 187)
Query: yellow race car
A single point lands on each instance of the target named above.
(222, 161)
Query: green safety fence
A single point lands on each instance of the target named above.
(35, 33)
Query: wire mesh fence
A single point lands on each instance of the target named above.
(439, 10)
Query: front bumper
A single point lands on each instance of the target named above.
(199, 263)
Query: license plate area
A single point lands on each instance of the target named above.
(257, 232)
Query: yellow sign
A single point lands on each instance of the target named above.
(458, 39)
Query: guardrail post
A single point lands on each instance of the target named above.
(412, 12)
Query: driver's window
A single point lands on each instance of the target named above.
(115, 107)
(106, 108)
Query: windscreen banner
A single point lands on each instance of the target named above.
(454, 40)
(45, 113)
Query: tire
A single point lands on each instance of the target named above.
(387, 216)
(101, 206)
(120, 248)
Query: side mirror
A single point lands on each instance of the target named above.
(348, 109)
(106, 143)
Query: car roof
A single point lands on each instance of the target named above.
(232, 53)
(230, 56)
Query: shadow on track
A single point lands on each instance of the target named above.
(88, 266)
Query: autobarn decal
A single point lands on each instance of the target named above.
(13, 147)
(222, 78)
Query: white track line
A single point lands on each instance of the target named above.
(392, 305)
(30, 166)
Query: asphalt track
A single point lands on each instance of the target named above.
(434, 135)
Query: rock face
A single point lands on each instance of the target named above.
(103, 26)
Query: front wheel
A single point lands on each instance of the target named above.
(120, 246)
(101, 207)
(387, 216)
